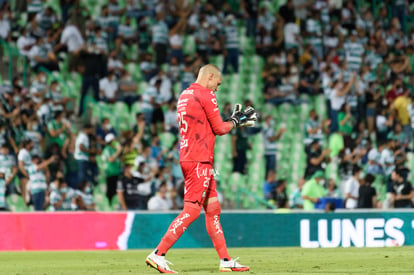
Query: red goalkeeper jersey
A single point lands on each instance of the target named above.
(200, 121)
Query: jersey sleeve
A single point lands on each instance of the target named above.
(209, 104)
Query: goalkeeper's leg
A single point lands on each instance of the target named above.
(189, 214)
(214, 230)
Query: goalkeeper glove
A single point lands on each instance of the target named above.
(243, 118)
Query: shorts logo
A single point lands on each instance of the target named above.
(217, 224)
(204, 172)
(178, 222)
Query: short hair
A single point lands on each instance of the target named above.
(57, 114)
(208, 69)
(26, 142)
(87, 126)
(402, 172)
(369, 178)
(356, 169)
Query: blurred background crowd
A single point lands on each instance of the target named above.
(88, 95)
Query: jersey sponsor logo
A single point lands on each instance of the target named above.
(187, 92)
(182, 103)
(204, 172)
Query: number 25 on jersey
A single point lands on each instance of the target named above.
(181, 121)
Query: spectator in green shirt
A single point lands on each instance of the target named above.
(112, 163)
(346, 124)
(313, 191)
(57, 129)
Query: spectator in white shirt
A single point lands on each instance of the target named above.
(161, 201)
(171, 123)
(108, 87)
(5, 27)
(166, 85)
(352, 188)
(82, 154)
(25, 42)
(72, 38)
(24, 161)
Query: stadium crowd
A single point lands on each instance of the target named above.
(360, 60)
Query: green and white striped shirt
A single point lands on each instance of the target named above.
(312, 124)
(7, 162)
(231, 37)
(160, 33)
(35, 6)
(354, 52)
(35, 88)
(37, 179)
(149, 94)
(56, 196)
(86, 198)
(270, 147)
(126, 31)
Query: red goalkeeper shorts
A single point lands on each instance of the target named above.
(199, 182)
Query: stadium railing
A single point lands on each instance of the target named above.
(247, 198)
(14, 57)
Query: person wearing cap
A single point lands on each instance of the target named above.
(112, 163)
(313, 190)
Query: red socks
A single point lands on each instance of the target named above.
(189, 214)
(214, 229)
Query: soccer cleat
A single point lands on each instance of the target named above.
(232, 265)
(159, 263)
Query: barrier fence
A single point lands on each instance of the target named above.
(132, 230)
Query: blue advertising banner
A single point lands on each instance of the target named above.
(308, 230)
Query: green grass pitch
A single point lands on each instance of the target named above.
(396, 260)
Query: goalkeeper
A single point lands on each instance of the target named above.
(200, 121)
